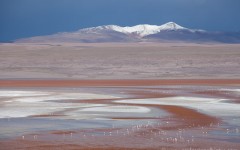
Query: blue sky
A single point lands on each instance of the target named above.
(26, 18)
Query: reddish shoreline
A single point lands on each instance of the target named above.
(81, 83)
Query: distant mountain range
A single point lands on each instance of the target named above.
(169, 32)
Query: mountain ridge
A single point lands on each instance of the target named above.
(168, 32)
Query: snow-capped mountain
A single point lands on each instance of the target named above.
(169, 32)
(141, 30)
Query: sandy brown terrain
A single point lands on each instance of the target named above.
(119, 61)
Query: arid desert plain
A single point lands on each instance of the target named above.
(119, 96)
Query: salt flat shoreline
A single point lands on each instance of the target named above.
(190, 126)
